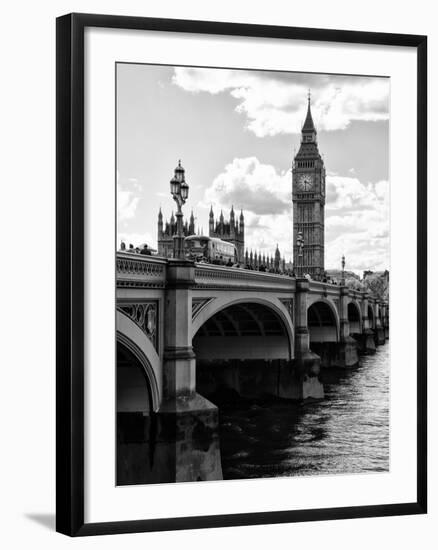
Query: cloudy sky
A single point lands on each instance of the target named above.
(235, 132)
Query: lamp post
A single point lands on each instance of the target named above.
(180, 193)
(300, 246)
(343, 271)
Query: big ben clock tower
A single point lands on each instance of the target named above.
(308, 198)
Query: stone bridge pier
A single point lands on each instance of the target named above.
(385, 319)
(367, 343)
(307, 362)
(348, 348)
(188, 434)
(379, 330)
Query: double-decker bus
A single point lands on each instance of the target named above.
(210, 249)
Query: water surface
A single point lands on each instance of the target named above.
(347, 432)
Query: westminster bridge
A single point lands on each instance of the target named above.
(186, 330)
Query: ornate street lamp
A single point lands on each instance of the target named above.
(180, 193)
(343, 270)
(300, 246)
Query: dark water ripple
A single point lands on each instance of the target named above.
(348, 432)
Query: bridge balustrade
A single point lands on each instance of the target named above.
(214, 276)
(136, 270)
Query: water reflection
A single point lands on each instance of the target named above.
(348, 432)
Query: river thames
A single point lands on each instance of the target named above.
(347, 432)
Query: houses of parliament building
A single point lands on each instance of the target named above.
(231, 230)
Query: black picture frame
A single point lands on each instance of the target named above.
(70, 273)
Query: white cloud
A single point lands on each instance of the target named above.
(247, 183)
(346, 192)
(357, 223)
(128, 196)
(357, 214)
(275, 103)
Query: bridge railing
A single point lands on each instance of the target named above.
(215, 276)
(325, 288)
(136, 270)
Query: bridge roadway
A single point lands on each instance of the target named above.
(174, 315)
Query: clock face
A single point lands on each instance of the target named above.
(305, 182)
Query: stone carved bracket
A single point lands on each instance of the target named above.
(145, 315)
(198, 304)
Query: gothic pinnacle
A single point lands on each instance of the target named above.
(308, 125)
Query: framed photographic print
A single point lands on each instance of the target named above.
(241, 274)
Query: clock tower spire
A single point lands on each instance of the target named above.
(308, 198)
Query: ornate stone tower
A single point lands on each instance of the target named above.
(308, 197)
(230, 231)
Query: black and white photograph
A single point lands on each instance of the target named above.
(252, 249)
(217, 216)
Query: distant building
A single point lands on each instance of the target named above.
(231, 231)
(265, 262)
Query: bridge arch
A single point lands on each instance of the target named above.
(274, 306)
(323, 321)
(242, 347)
(133, 343)
(137, 402)
(354, 317)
